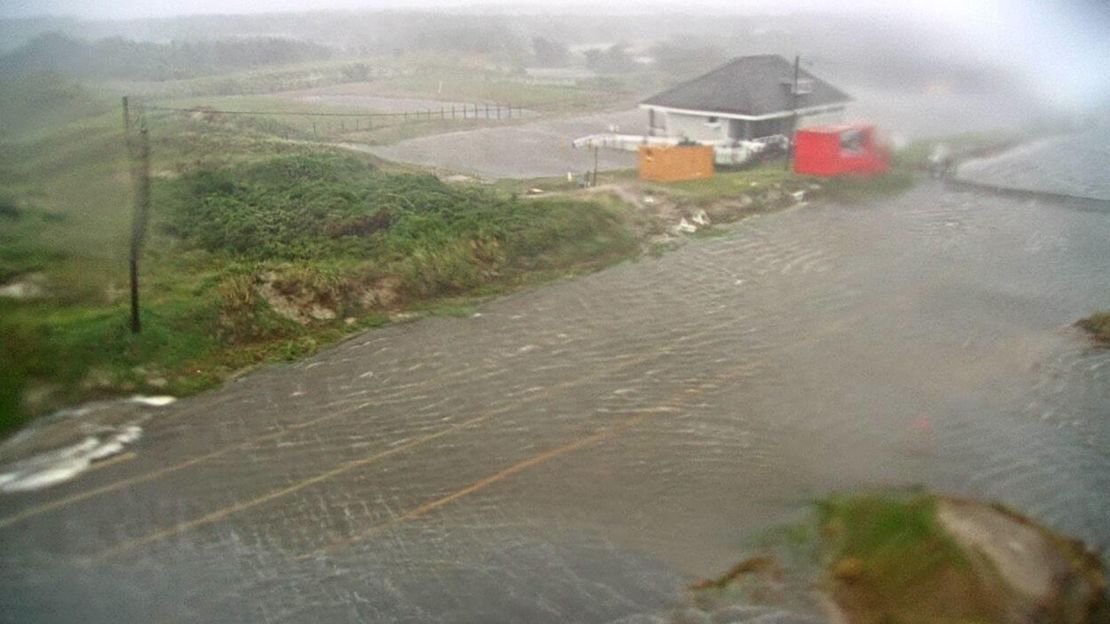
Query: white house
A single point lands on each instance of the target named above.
(750, 97)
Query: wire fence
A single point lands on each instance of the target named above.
(333, 124)
(495, 110)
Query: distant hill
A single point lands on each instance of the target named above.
(120, 58)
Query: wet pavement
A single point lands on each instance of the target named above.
(533, 149)
(579, 452)
(1071, 165)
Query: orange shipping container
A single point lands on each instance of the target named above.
(675, 163)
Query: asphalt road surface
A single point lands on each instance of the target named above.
(579, 452)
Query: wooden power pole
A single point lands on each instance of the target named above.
(139, 153)
(793, 114)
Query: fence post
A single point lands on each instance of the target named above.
(138, 221)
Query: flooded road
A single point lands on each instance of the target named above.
(1070, 165)
(578, 453)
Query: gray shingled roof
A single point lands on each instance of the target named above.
(748, 85)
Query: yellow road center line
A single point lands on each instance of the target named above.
(154, 474)
(536, 460)
(479, 485)
(224, 512)
(220, 514)
(42, 508)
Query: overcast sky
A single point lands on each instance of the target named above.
(1067, 39)
(123, 9)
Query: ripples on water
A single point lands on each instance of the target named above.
(924, 340)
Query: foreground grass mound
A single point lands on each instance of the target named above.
(274, 258)
(931, 559)
(909, 558)
(1098, 325)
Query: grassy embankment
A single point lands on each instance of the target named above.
(260, 248)
(890, 558)
(893, 559)
(919, 558)
(1098, 325)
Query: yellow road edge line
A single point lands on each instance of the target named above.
(181, 527)
(42, 508)
(541, 458)
(154, 474)
(476, 486)
(224, 512)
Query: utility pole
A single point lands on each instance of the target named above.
(793, 114)
(138, 223)
(140, 169)
(595, 165)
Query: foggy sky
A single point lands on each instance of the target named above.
(1061, 42)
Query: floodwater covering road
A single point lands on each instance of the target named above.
(1070, 165)
(579, 452)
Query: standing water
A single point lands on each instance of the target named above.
(580, 452)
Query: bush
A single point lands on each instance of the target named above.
(436, 237)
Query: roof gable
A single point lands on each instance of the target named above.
(748, 85)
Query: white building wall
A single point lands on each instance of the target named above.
(824, 119)
(695, 127)
(698, 127)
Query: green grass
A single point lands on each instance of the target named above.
(319, 227)
(37, 104)
(767, 182)
(260, 81)
(1098, 325)
(727, 184)
(242, 205)
(453, 83)
(891, 561)
(851, 189)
